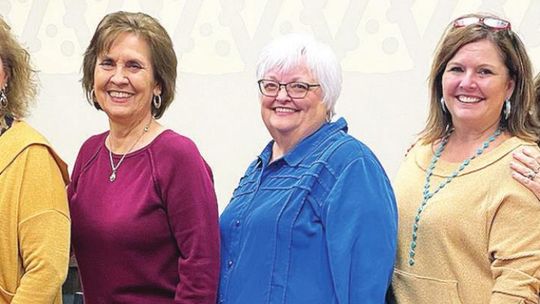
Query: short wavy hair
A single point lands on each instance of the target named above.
(288, 51)
(163, 57)
(21, 86)
(522, 121)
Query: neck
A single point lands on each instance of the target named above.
(122, 136)
(464, 134)
(285, 142)
(282, 147)
(464, 142)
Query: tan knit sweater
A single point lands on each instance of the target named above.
(478, 238)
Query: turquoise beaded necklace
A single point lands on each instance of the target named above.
(427, 195)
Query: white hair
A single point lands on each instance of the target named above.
(287, 52)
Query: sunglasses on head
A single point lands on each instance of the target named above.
(491, 22)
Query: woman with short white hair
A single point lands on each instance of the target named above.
(313, 220)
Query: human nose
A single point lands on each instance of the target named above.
(282, 93)
(468, 81)
(119, 75)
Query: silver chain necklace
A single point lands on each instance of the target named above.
(114, 167)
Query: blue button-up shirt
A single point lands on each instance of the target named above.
(316, 226)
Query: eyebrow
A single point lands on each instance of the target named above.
(294, 79)
(136, 60)
(480, 65)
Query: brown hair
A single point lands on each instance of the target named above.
(520, 123)
(21, 78)
(536, 82)
(163, 57)
(537, 89)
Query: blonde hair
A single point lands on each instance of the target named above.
(21, 85)
(163, 57)
(520, 122)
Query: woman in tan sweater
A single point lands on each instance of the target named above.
(34, 220)
(468, 231)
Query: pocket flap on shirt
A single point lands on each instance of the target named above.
(412, 288)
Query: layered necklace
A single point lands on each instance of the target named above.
(114, 167)
(427, 194)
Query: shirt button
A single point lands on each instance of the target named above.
(230, 263)
(237, 223)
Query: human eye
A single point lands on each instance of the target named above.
(133, 65)
(106, 63)
(299, 86)
(454, 69)
(270, 86)
(485, 72)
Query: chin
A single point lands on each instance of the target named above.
(280, 129)
(468, 118)
(118, 113)
(281, 124)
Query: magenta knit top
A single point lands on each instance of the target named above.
(152, 235)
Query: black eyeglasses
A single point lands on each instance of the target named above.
(491, 22)
(294, 89)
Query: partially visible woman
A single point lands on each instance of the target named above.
(34, 218)
(313, 220)
(467, 231)
(145, 219)
(526, 164)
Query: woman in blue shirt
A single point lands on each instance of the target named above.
(313, 220)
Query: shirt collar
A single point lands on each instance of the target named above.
(266, 154)
(307, 145)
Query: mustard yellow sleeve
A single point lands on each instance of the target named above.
(44, 229)
(514, 245)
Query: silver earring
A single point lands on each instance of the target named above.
(156, 101)
(93, 96)
(3, 98)
(507, 109)
(443, 106)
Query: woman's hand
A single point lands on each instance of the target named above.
(526, 166)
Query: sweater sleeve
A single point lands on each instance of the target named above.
(88, 150)
(361, 228)
(188, 193)
(71, 188)
(514, 245)
(44, 228)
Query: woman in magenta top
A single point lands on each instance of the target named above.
(144, 211)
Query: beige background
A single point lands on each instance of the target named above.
(385, 48)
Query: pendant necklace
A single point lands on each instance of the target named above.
(427, 195)
(114, 167)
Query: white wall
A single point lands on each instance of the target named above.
(385, 48)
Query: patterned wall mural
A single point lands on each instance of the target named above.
(385, 48)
